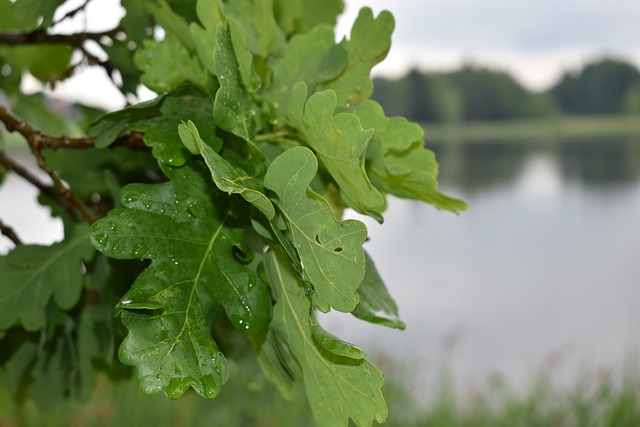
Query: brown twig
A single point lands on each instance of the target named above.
(132, 140)
(70, 199)
(43, 37)
(76, 40)
(8, 232)
(38, 141)
(21, 171)
(71, 13)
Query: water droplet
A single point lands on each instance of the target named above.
(139, 250)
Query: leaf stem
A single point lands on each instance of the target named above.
(271, 136)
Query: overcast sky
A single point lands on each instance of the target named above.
(535, 40)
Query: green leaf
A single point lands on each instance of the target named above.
(227, 176)
(397, 161)
(137, 20)
(341, 143)
(167, 64)
(47, 62)
(338, 387)
(369, 44)
(264, 37)
(190, 233)
(172, 22)
(110, 126)
(121, 58)
(38, 13)
(330, 250)
(312, 58)
(31, 275)
(35, 111)
(302, 16)
(376, 305)
(210, 16)
(161, 131)
(8, 19)
(233, 109)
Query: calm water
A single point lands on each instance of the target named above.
(542, 267)
(541, 270)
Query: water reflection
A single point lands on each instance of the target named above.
(480, 166)
(543, 265)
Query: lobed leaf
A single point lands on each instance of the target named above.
(167, 64)
(369, 44)
(31, 276)
(330, 251)
(189, 232)
(341, 143)
(311, 58)
(338, 386)
(397, 161)
(302, 16)
(161, 131)
(256, 17)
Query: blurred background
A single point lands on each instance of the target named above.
(533, 110)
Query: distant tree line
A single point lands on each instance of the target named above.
(473, 93)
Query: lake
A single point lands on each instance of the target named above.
(542, 271)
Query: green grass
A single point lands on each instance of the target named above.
(598, 399)
(553, 128)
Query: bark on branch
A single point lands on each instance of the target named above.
(38, 141)
(13, 38)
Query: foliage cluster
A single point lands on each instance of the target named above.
(211, 215)
(475, 93)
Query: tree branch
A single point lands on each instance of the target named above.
(71, 13)
(132, 140)
(42, 37)
(8, 232)
(38, 141)
(21, 171)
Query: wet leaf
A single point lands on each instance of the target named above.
(330, 250)
(233, 109)
(161, 131)
(186, 228)
(227, 176)
(338, 387)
